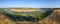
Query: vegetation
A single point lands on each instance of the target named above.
(21, 16)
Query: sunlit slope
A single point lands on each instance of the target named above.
(53, 18)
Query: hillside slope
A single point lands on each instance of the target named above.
(54, 18)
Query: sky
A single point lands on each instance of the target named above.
(30, 3)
